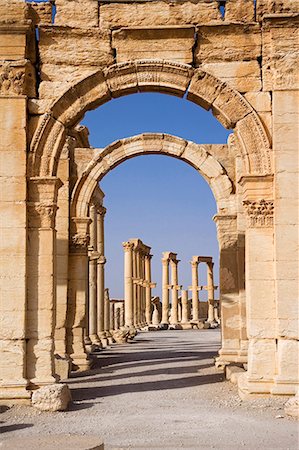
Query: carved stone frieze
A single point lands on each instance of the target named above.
(12, 80)
(259, 213)
(41, 215)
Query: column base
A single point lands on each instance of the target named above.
(80, 363)
(249, 388)
(164, 326)
(228, 356)
(62, 366)
(14, 393)
(285, 387)
(186, 325)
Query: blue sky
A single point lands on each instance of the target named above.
(159, 199)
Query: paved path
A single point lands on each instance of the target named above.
(161, 392)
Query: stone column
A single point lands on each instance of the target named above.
(148, 289)
(210, 288)
(92, 309)
(139, 288)
(184, 300)
(195, 301)
(135, 288)
(122, 314)
(107, 316)
(101, 211)
(232, 318)
(117, 318)
(112, 316)
(174, 291)
(41, 302)
(165, 291)
(128, 280)
(78, 290)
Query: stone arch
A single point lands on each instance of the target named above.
(228, 106)
(153, 143)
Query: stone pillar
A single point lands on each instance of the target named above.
(41, 302)
(165, 291)
(210, 288)
(184, 300)
(101, 211)
(195, 301)
(107, 316)
(260, 286)
(148, 289)
(122, 314)
(128, 280)
(174, 291)
(112, 316)
(135, 288)
(139, 289)
(232, 314)
(117, 318)
(78, 291)
(92, 307)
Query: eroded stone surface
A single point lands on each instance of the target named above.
(54, 397)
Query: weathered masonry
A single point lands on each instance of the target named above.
(236, 58)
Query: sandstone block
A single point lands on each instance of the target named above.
(13, 11)
(65, 441)
(55, 397)
(230, 42)
(77, 13)
(261, 359)
(280, 55)
(243, 76)
(40, 13)
(170, 43)
(260, 101)
(157, 13)
(275, 6)
(73, 47)
(232, 373)
(291, 407)
(239, 11)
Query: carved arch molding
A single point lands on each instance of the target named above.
(152, 143)
(227, 105)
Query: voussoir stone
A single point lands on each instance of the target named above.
(54, 397)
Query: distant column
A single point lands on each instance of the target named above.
(210, 287)
(128, 280)
(92, 307)
(148, 289)
(165, 291)
(112, 318)
(195, 303)
(174, 291)
(184, 300)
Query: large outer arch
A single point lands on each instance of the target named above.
(228, 105)
(152, 143)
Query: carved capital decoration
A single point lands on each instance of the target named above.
(128, 246)
(12, 80)
(259, 212)
(101, 211)
(41, 215)
(79, 242)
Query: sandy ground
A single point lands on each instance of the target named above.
(160, 391)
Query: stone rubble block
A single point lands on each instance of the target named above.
(291, 407)
(55, 397)
(233, 372)
(54, 441)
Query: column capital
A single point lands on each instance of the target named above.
(101, 210)
(128, 246)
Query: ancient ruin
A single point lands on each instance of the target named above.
(238, 60)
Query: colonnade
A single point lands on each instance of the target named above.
(137, 283)
(181, 312)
